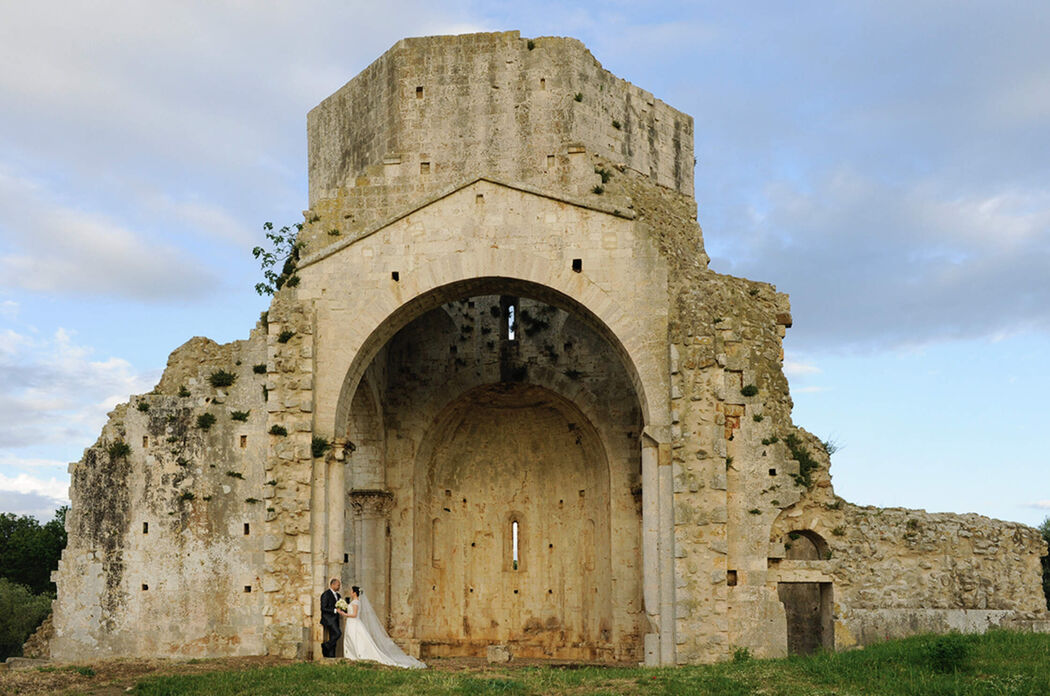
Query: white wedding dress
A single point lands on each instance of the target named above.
(365, 639)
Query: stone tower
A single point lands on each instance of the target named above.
(502, 391)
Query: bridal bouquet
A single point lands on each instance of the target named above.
(341, 605)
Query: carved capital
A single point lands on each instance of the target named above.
(370, 502)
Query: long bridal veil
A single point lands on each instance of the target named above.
(386, 646)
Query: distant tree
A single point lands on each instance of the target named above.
(1045, 529)
(20, 613)
(29, 551)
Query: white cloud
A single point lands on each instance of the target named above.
(52, 391)
(23, 483)
(9, 309)
(795, 368)
(53, 248)
(1040, 505)
(875, 265)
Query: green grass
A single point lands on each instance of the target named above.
(1000, 662)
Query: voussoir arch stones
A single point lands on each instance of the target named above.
(489, 271)
(351, 327)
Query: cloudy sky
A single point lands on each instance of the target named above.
(885, 163)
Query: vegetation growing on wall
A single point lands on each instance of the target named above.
(283, 252)
(319, 446)
(222, 378)
(806, 463)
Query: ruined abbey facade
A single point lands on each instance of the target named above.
(502, 391)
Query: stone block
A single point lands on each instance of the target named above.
(497, 654)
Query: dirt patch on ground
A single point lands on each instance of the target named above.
(113, 677)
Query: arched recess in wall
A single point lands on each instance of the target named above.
(513, 535)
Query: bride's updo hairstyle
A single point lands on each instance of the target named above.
(357, 590)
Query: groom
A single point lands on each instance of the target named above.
(329, 619)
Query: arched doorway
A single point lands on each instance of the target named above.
(808, 605)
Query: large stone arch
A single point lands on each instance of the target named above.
(378, 316)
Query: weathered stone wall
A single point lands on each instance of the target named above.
(292, 555)
(165, 553)
(438, 111)
(898, 572)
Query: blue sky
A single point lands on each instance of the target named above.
(884, 163)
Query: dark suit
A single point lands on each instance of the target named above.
(330, 620)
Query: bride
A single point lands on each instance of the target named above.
(365, 639)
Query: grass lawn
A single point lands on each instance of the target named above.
(1000, 662)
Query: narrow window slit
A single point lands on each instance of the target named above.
(577, 265)
(514, 532)
(247, 529)
(419, 92)
(395, 276)
(145, 527)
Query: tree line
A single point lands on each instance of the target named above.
(29, 551)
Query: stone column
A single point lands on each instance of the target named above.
(372, 546)
(336, 506)
(658, 549)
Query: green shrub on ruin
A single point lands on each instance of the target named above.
(222, 378)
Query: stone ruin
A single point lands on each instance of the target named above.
(503, 392)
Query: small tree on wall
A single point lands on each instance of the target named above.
(284, 249)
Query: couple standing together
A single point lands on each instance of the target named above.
(364, 637)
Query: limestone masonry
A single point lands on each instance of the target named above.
(503, 392)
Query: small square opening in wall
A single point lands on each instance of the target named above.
(479, 198)
(346, 558)
(543, 83)
(247, 529)
(145, 441)
(577, 265)
(247, 588)
(395, 276)
(145, 587)
(244, 441)
(424, 167)
(731, 578)
(419, 92)
(772, 472)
